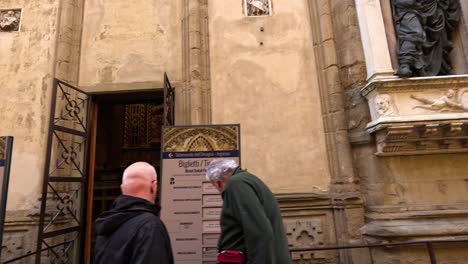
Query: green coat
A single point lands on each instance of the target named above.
(251, 221)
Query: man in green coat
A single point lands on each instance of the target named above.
(250, 219)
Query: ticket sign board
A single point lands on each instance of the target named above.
(191, 206)
(6, 144)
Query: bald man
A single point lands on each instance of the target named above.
(131, 232)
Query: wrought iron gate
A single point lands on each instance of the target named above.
(169, 100)
(61, 225)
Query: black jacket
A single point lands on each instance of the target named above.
(132, 233)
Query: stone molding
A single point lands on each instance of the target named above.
(416, 225)
(422, 115)
(422, 138)
(417, 83)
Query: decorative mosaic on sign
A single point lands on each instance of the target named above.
(10, 20)
(201, 139)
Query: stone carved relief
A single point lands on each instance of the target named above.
(450, 102)
(20, 235)
(432, 115)
(258, 7)
(9, 20)
(384, 105)
(305, 233)
(17, 243)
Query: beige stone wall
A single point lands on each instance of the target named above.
(267, 81)
(26, 60)
(128, 46)
(414, 182)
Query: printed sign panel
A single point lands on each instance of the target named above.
(191, 206)
(6, 144)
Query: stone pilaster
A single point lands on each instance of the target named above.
(196, 98)
(69, 41)
(334, 60)
(331, 92)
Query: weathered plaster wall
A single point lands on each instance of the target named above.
(26, 63)
(129, 46)
(267, 81)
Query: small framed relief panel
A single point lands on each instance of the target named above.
(257, 8)
(10, 20)
(6, 144)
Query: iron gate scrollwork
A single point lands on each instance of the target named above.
(169, 99)
(61, 224)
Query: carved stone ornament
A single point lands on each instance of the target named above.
(305, 233)
(418, 115)
(257, 7)
(384, 105)
(10, 20)
(451, 101)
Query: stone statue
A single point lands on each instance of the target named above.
(258, 8)
(450, 102)
(9, 21)
(424, 29)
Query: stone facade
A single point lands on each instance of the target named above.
(355, 154)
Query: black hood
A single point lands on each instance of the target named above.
(123, 209)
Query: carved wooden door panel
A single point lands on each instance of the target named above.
(61, 222)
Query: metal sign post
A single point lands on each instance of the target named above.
(6, 144)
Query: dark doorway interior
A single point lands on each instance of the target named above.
(128, 130)
(129, 127)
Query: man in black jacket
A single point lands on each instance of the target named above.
(250, 219)
(131, 232)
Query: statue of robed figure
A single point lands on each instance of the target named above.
(424, 29)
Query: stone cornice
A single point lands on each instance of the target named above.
(318, 200)
(389, 121)
(422, 138)
(414, 84)
(411, 225)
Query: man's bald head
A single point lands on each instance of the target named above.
(140, 180)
